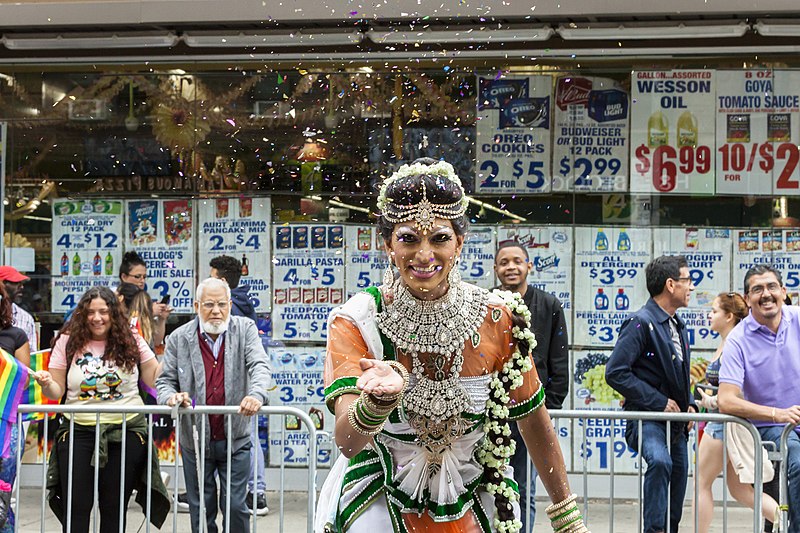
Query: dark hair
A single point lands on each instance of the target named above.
(757, 271)
(121, 346)
(6, 313)
(130, 260)
(733, 303)
(128, 291)
(408, 191)
(511, 243)
(660, 269)
(229, 268)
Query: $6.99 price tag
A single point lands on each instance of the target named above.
(666, 162)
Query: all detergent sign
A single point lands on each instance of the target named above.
(309, 278)
(609, 281)
(591, 135)
(87, 248)
(672, 122)
(513, 135)
(708, 253)
(239, 227)
(758, 127)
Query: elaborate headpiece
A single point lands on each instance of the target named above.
(424, 212)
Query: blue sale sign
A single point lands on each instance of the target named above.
(513, 135)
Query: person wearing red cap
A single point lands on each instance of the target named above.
(13, 281)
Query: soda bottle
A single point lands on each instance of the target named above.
(64, 264)
(76, 265)
(245, 268)
(657, 130)
(109, 265)
(687, 129)
(97, 264)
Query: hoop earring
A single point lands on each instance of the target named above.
(388, 275)
(454, 276)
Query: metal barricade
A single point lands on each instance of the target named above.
(783, 500)
(668, 419)
(198, 436)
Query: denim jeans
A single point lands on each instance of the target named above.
(519, 462)
(667, 470)
(256, 463)
(773, 433)
(216, 462)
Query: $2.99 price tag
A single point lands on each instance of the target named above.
(665, 163)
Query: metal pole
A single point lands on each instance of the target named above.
(3, 152)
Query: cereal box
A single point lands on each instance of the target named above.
(177, 222)
(143, 222)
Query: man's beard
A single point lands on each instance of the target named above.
(213, 329)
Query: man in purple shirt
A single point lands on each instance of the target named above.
(761, 367)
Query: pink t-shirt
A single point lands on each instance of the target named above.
(91, 379)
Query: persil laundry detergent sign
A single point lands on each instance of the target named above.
(513, 135)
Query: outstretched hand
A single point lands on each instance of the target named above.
(378, 378)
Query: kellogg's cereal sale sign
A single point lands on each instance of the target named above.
(162, 232)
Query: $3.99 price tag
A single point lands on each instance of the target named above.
(665, 163)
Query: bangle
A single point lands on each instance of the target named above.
(361, 426)
(400, 369)
(554, 508)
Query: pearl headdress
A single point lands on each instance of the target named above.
(424, 213)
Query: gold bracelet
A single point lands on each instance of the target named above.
(400, 369)
(552, 509)
(354, 422)
(376, 408)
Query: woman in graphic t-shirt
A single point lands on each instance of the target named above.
(98, 361)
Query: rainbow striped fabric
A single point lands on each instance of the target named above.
(33, 394)
(13, 375)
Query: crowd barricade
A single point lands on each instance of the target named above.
(784, 475)
(668, 418)
(46, 517)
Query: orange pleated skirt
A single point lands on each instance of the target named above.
(422, 524)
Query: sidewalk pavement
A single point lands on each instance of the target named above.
(739, 519)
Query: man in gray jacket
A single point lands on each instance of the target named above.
(216, 359)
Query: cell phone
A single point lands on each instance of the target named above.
(165, 299)
(708, 389)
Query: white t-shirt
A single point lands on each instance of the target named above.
(91, 379)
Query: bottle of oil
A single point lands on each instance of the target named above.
(687, 129)
(657, 130)
(245, 266)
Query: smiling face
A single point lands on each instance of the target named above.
(512, 268)
(425, 258)
(137, 276)
(98, 316)
(765, 296)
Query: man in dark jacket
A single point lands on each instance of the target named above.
(551, 355)
(229, 269)
(649, 367)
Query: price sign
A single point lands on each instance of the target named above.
(591, 141)
(709, 253)
(757, 132)
(366, 258)
(598, 443)
(477, 257)
(673, 112)
(550, 252)
(298, 380)
(309, 278)
(609, 281)
(162, 232)
(775, 247)
(239, 227)
(87, 249)
(513, 135)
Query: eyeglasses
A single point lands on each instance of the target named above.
(683, 278)
(138, 276)
(758, 290)
(209, 306)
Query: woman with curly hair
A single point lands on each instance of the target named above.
(423, 375)
(99, 362)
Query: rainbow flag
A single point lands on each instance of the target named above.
(33, 394)
(13, 375)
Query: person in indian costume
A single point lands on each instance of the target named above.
(423, 375)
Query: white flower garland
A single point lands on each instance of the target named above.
(494, 454)
(441, 168)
